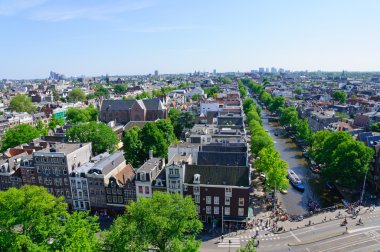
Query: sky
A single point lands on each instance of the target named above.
(125, 37)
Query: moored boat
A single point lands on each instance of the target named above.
(295, 180)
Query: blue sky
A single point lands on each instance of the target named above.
(95, 37)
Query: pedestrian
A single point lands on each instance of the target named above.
(222, 238)
(258, 242)
(257, 232)
(346, 229)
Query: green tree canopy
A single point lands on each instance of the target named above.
(120, 89)
(247, 103)
(76, 115)
(22, 103)
(260, 141)
(289, 116)
(133, 147)
(31, 219)
(375, 127)
(165, 222)
(349, 163)
(101, 92)
(54, 122)
(274, 168)
(277, 104)
(195, 97)
(303, 131)
(180, 120)
(167, 130)
(340, 96)
(76, 95)
(102, 137)
(42, 128)
(153, 139)
(20, 134)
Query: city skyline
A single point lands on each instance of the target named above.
(94, 38)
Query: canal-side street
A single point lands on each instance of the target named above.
(295, 202)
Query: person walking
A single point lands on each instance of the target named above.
(258, 242)
(222, 238)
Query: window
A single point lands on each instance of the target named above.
(227, 201)
(228, 192)
(120, 199)
(226, 211)
(109, 198)
(171, 171)
(140, 189)
(185, 188)
(147, 190)
(241, 211)
(208, 209)
(142, 176)
(241, 201)
(208, 200)
(197, 198)
(198, 209)
(216, 210)
(216, 200)
(176, 172)
(197, 178)
(196, 189)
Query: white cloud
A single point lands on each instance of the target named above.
(11, 7)
(97, 12)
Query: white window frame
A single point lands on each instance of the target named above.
(227, 211)
(227, 201)
(208, 209)
(241, 201)
(197, 199)
(208, 200)
(241, 211)
(216, 210)
(216, 200)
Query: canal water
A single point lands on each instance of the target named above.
(295, 202)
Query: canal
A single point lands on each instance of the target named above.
(295, 202)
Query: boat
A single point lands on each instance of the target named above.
(295, 180)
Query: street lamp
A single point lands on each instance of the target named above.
(365, 178)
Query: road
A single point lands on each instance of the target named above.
(325, 237)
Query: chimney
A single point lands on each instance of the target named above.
(150, 154)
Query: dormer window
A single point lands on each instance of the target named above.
(197, 178)
(142, 176)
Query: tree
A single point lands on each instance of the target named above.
(195, 97)
(20, 134)
(375, 127)
(21, 103)
(153, 139)
(180, 120)
(31, 219)
(340, 96)
(276, 104)
(119, 89)
(289, 116)
(76, 115)
(250, 247)
(303, 131)
(101, 92)
(349, 163)
(55, 93)
(259, 142)
(133, 151)
(76, 95)
(165, 222)
(41, 127)
(167, 130)
(102, 137)
(274, 168)
(54, 122)
(143, 95)
(247, 103)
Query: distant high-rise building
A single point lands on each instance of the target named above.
(156, 73)
(273, 70)
(281, 70)
(267, 70)
(214, 71)
(261, 70)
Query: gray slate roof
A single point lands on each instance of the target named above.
(218, 175)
